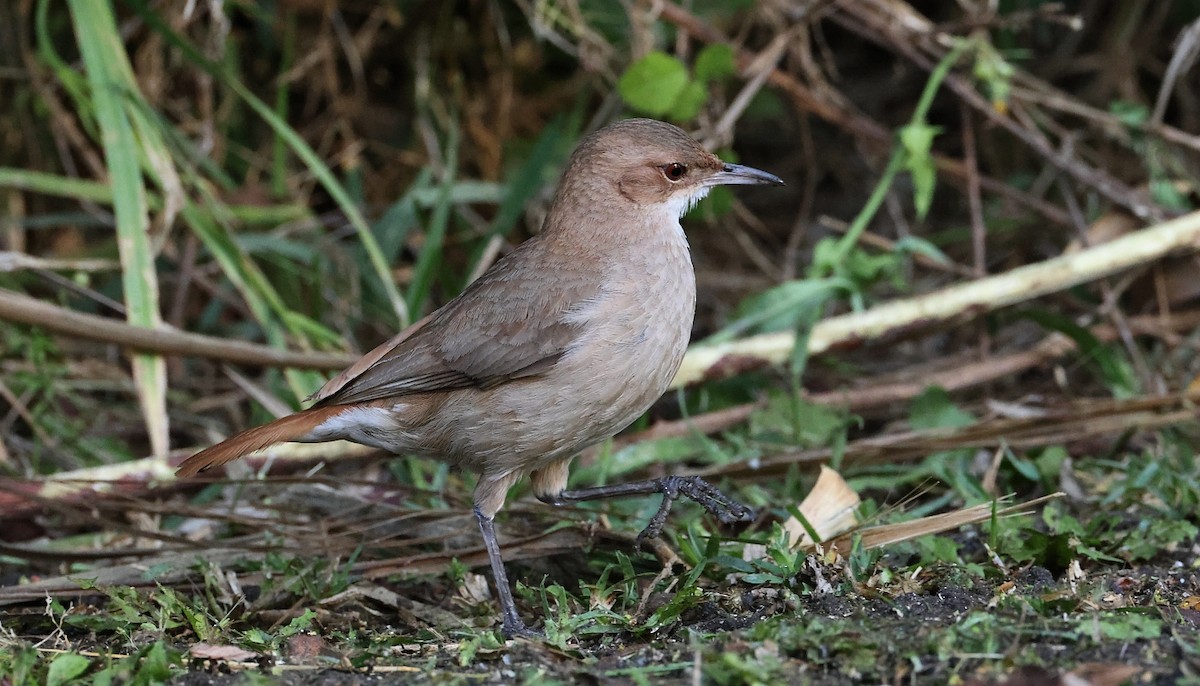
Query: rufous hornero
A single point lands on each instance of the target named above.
(565, 341)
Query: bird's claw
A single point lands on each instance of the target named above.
(721, 506)
(514, 627)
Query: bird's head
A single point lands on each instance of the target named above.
(652, 163)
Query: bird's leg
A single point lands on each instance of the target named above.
(703, 493)
(511, 623)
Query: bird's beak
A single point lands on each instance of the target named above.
(736, 174)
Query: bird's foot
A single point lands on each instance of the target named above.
(721, 506)
(514, 627)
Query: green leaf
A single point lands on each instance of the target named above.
(934, 410)
(1024, 467)
(299, 624)
(995, 72)
(1129, 113)
(734, 563)
(1166, 194)
(714, 62)
(653, 83)
(257, 639)
(86, 583)
(827, 256)
(66, 667)
(915, 245)
(1049, 462)
(780, 308)
(763, 578)
(689, 102)
(1123, 626)
(686, 598)
(776, 423)
(865, 268)
(917, 139)
(938, 549)
(156, 666)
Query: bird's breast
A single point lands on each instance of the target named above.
(637, 331)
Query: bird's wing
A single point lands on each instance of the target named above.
(365, 362)
(507, 325)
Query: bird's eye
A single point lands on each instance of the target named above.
(674, 171)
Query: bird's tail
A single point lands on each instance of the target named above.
(289, 428)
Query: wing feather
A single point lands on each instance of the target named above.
(507, 325)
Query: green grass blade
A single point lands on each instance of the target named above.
(72, 81)
(282, 90)
(96, 192)
(108, 77)
(435, 235)
(53, 184)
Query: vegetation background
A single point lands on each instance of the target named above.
(206, 207)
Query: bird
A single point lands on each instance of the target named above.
(562, 343)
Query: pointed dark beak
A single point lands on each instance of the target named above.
(736, 174)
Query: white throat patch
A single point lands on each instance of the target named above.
(680, 203)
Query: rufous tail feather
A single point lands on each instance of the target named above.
(281, 430)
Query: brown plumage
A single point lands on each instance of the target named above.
(562, 343)
(289, 428)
